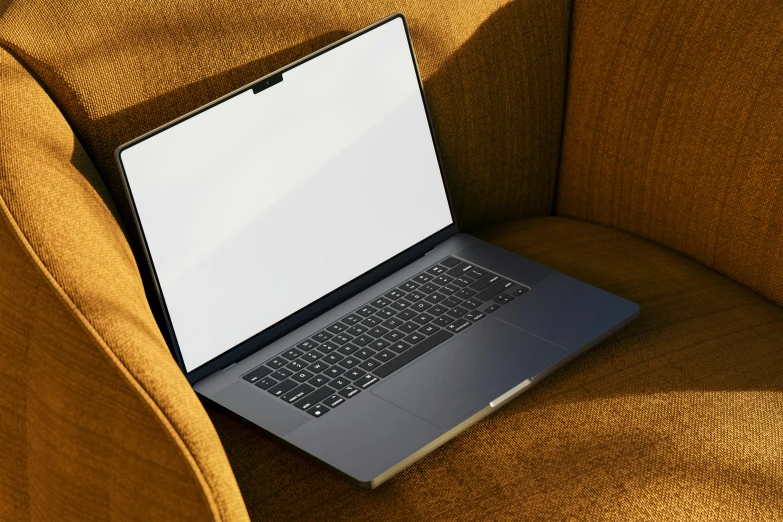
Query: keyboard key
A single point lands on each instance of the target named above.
(364, 353)
(336, 328)
(302, 376)
(438, 310)
(400, 346)
(408, 286)
(392, 323)
(407, 356)
(349, 362)
(423, 318)
(372, 321)
(358, 329)
(422, 278)
(333, 371)
(477, 273)
(282, 374)
(395, 294)
(369, 365)
(414, 338)
(519, 291)
(314, 398)
(277, 362)
(362, 340)
(349, 391)
(292, 354)
(333, 358)
(354, 374)
(428, 288)
(312, 356)
(378, 331)
(402, 304)
(493, 290)
(482, 282)
(384, 356)
(408, 328)
(341, 338)
(464, 294)
(257, 374)
(451, 302)
(435, 298)
(429, 329)
(339, 383)
(405, 315)
(297, 393)
(475, 316)
(442, 321)
(334, 401)
(450, 262)
(266, 383)
(420, 306)
(295, 366)
(472, 303)
(348, 349)
(436, 270)
(381, 302)
(458, 325)
(318, 410)
(351, 319)
(442, 280)
(366, 311)
(460, 269)
(366, 381)
(317, 367)
(449, 289)
(322, 336)
(379, 344)
(503, 299)
(307, 345)
(457, 312)
(416, 295)
(318, 380)
(328, 347)
(282, 387)
(393, 336)
(492, 308)
(462, 281)
(386, 313)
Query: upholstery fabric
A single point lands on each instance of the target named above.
(676, 417)
(97, 421)
(493, 71)
(674, 129)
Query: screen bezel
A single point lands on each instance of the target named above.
(330, 300)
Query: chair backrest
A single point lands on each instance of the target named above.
(96, 420)
(674, 129)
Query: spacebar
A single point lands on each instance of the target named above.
(405, 357)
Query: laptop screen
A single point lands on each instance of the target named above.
(269, 200)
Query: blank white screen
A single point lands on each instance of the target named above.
(266, 202)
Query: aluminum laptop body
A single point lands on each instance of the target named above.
(312, 276)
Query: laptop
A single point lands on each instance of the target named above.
(312, 275)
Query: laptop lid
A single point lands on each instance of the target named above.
(272, 204)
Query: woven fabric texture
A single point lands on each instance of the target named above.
(98, 422)
(674, 129)
(675, 418)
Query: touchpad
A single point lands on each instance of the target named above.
(463, 376)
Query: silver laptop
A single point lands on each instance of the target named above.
(313, 278)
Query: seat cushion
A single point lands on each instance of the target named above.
(677, 417)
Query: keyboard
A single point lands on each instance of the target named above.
(387, 333)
